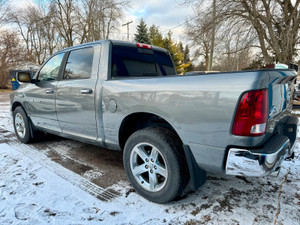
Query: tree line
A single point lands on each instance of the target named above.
(40, 29)
(153, 36)
(247, 34)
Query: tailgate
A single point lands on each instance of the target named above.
(281, 88)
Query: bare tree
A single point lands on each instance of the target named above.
(10, 54)
(48, 25)
(51, 39)
(213, 34)
(237, 41)
(24, 27)
(66, 20)
(276, 24)
(3, 12)
(203, 42)
(205, 35)
(98, 18)
(35, 24)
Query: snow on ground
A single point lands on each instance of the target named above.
(37, 190)
(33, 194)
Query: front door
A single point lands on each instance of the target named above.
(41, 96)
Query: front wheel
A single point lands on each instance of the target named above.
(21, 125)
(155, 164)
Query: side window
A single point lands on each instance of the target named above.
(132, 62)
(79, 64)
(50, 70)
(165, 63)
(139, 62)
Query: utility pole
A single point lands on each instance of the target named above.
(127, 24)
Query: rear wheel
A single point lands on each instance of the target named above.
(21, 125)
(155, 164)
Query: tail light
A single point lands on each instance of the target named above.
(252, 114)
(140, 45)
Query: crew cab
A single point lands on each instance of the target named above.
(172, 129)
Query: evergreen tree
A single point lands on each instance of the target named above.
(142, 35)
(181, 47)
(187, 60)
(186, 53)
(156, 37)
(175, 52)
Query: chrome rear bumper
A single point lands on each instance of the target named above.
(259, 162)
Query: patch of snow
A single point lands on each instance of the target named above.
(92, 174)
(35, 191)
(31, 192)
(296, 112)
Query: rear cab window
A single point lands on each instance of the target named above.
(130, 62)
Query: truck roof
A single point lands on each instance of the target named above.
(113, 42)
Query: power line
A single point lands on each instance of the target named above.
(195, 17)
(179, 25)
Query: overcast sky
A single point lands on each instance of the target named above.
(166, 14)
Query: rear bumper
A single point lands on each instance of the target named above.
(259, 162)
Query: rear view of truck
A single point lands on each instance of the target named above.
(174, 129)
(264, 113)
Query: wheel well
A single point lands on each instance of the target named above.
(15, 105)
(138, 121)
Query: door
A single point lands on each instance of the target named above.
(75, 100)
(41, 95)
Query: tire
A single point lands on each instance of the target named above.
(22, 125)
(155, 164)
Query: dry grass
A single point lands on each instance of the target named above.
(5, 90)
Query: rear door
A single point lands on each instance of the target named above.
(75, 98)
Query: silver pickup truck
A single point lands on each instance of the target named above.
(172, 129)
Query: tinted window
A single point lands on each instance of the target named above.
(79, 64)
(137, 62)
(165, 63)
(50, 70)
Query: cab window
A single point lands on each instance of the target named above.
(79, 64)
(50, 70)
(138, 62)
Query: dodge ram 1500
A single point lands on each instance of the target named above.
(172, 129)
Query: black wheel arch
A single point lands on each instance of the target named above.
(138, 121)
(15, 105)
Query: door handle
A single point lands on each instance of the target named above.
(86, 91)
(51, 91)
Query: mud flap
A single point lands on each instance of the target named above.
(197, 175)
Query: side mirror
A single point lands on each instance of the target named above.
(24, 77)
